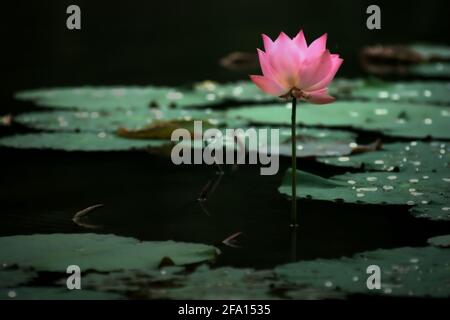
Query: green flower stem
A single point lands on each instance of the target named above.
(294, 223)
(293, 244)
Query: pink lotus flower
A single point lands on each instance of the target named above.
(291, 67)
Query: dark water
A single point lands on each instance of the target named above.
(147, 197)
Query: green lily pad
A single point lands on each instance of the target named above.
(342, 88)
(310, 142)
(405, 272)
(83, 141)
(415, 156)
(203, 283)
(248, 92)
(432, 52)
(222, 283)
(434, 69)
(242, 91)
(94, 98)
(164, 129)
(440, 241)
(133, 280)
(418, 92)
(391, 119)
(427, 195)
(176, 98)
(109, 121)
(55, 252)
(126, 98)
(51, 293)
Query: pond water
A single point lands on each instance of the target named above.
(147, 197)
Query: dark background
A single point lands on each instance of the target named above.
(178, 41)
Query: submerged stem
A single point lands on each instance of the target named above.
(294, 164)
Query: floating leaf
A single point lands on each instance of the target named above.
(310, 142)
(164, 129)
(84, 121)
(117, 98)
(417, 272)
(342, 88)
(391, 119)
(203, 283)
(440, 241)
(71, 141)
(243, 91)
(176, 98)
(54, 252)
(51, 293)
(421, 60)
(221, 283)
(432, 52)
(415, 156)
(95, 98)
(427, 195)
(418, 92)
(132, 280)
(434, 70)
(405, 272)
(248, 92)
(111, 121)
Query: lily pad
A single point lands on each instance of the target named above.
(83, 141)
(311, 142)
(94, 98)
(342, 88)
(176, 98)
(435, 70)
(432, 52)
(415, 156)
(52, 293)
(440, 241)
(203, 283)
(428, 196)
(134, 281)
(242, 91)
(248, 92)
(126, 98)
(222, 283)
(164, 129)
(418, 92)
(391, 119)
(405, 272)
(426, 61)
(109, 121)
(55, 252)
